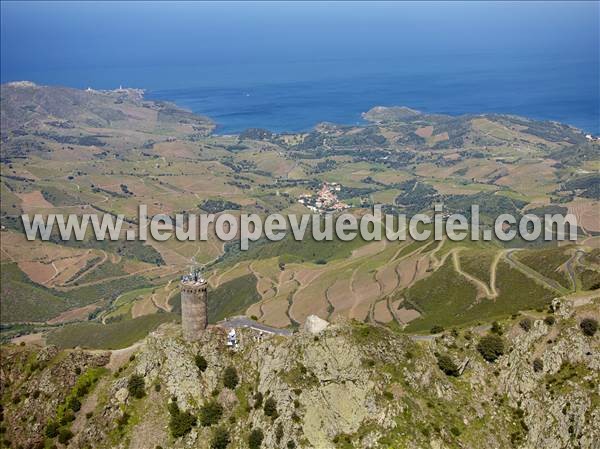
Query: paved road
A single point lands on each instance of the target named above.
(578, 254)
(242, 321)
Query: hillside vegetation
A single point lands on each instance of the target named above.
(353, 385)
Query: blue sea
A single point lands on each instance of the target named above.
(289, 66)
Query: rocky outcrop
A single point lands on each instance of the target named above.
(347, 385)
(314, 324)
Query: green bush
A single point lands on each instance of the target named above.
(447, 365)
(220, 438)
(270, 407)
(123, 420)
(64, 435)
(74, 404)
(67, 418)
(201, 362)
(491, 347)
(525, 324)
(210, 413)
(436, 329)
(258, 400)
(181, 422)
(549, 320)
(136, 386)
(496, 328)
(279, 433)
(230, 378)
(538, 365)
(51, 429)
(589, 326)
(256, 438)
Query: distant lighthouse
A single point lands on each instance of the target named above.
(194, 305)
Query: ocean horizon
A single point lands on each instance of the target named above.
(287, 67)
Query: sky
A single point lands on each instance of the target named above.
(45, 36)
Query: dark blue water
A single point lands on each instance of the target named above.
(287, 67)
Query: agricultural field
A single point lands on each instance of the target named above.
(108, 152)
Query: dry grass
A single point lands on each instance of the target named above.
(424, 132)
(33, 201)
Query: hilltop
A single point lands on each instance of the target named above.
(352, 385)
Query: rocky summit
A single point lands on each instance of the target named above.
(354, 385)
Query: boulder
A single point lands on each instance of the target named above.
(314, 324)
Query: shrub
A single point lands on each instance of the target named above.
(255, 439)
(550, 320)
(136, 386)
(291, 444)
(270, 407)
(74, 404)
(496, 328)
(491, 347)
(181, 422)
(279, 433)
(157, 387)
(230, 378)
(538, 365)
(436, 329)
(525, 324)
(210, 413)
(123, 420)
(201, 362)
(258, 400)
(67, 418)
(447, 365)
(51, 429)
(220, 438)
(589, 326)
(64, 435)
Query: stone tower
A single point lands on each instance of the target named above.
(194, 306)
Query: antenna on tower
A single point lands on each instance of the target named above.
(195, 273)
